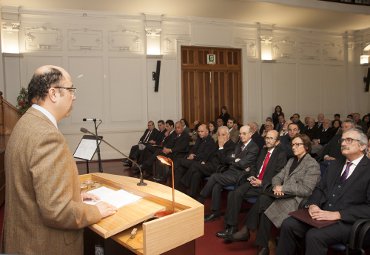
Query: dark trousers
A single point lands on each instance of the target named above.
(235, 199)
(181, 167)
(317, 240)
(215, 184)
(134, 152)
(256, 219)
(194, 176)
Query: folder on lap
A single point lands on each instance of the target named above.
(304, 216)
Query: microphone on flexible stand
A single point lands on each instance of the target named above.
(141, 182)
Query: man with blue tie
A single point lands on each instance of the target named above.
(342, 195)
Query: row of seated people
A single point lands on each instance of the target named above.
(243, 165)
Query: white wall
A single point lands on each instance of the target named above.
(105, 55)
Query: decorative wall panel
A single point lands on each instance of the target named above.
(43, 38)
(85, 39)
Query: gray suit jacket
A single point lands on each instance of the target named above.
(300, 183)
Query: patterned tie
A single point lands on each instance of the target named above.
(147, 136)
(265, 162)
(344, 176)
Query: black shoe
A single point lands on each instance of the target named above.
(263, 251)
(228, 231)
(241, 235)
(211, 217)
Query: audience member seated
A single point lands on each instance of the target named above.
(213, 130)
(262, 128)
(256, 137)
(194, 132)
(168, 141)
(320, 121)
(185, 124)
(149, 137)
(270, 161)
(281, 122)
(359, 123)
(244, 158)
(366, 121)
(151, 147)
(219, 122)
(225, 116)
(289, 187)
(310, 130)
(296, 120)
(233, 130)
(342, 195)
(336, 126)
(332, 150)
(204, 147)
(218, 162)
(275, 115)
(284, 130)
(268, 127)
(325, 134)
(286, 140)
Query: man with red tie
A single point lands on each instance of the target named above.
(271, 160)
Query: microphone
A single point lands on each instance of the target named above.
(141, 182)
(90, 119)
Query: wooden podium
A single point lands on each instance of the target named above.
(154, 235)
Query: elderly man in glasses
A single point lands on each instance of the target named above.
(342, 195)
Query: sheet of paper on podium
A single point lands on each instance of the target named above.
(117, 198)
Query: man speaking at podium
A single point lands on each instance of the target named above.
(44, 210)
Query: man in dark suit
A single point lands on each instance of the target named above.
(286, 140)
(148, 137)
(332, 150)
(311, 130)
(204, 147)
(343, 194)
(256, 137)
(152, 146)
(271, 160)
(218, 162)
(296, 119)
(167, 141)
(176, 147)
(245, 157)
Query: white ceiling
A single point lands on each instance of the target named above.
(306, 14)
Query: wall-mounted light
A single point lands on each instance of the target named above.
(10, 38)
(153, 34)
(153, 44)
(365, 57)
(267, 49)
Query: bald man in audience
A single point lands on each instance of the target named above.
(203, 148)
(218, 162)
(256, 137)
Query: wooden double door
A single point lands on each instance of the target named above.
(208, 87)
